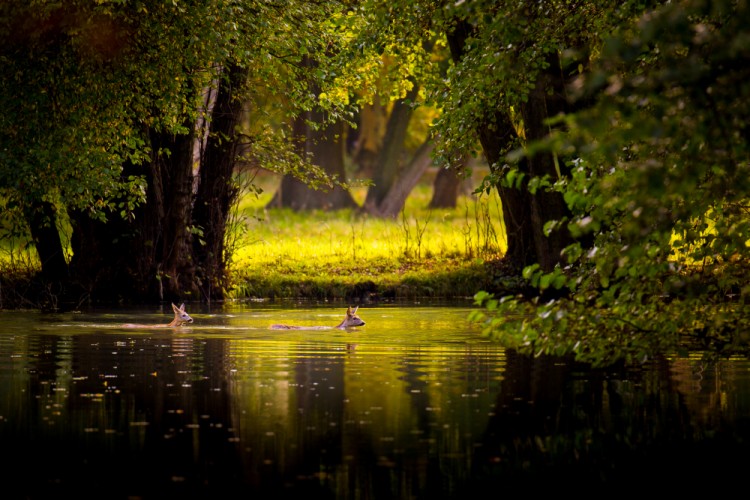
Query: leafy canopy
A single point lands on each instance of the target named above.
(659, 178)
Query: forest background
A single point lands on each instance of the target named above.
(613, 135)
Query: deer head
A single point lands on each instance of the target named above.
(351, 319)
(180, 316)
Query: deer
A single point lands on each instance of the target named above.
(349, 321)
(181, 318)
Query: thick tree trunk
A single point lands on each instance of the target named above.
(217, 191)
(148, 258)
(169, 205)
(102, 257)
(547, 99)
(447, 186)
(386, 171)
(42, 219)
(514, 201)
(496, 133)
(395, 198)
(326, 148)
(153, 257)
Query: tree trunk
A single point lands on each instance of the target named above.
(495, 133)
(389, 157)
(42, 219)
(170, 203)
(148, 258)
(546, 100)
(101, 264)
(447, 186)
(217, 191)
(395, 198)
(372, 126)
(326, 148)
(153, 256)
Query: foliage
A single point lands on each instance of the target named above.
(505, 52)
(90, 88)
(659, 181)
(82, 83)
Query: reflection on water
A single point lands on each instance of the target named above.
(413, 405)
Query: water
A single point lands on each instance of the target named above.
(412, 405)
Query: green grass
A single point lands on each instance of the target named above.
(348, 254)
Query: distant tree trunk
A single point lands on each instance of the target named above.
(372, 126)
(394, 200)
(386, 170)
(447, 186)
(326, 147)
(216, 188)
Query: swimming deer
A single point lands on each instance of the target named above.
(349, 321)
(181, 318)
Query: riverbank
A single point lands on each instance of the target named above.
(346, 254)
(340, 255)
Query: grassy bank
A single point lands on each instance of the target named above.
(340, 255)
(350, 255)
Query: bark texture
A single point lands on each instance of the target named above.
(217, 192)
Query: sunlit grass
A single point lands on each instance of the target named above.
(321, 253)
(336, 254)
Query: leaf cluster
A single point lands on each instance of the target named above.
(659, 181)
(84, 83)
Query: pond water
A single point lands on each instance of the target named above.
(415, 404)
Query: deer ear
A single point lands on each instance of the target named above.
(355, 310)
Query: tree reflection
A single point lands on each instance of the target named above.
(167, 415)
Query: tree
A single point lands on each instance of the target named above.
(217, 192)
(103, 102)
(317, 138)
(388, 159)
(512, 67)
(63, 132)
(367, 137)
(394, 175)
(448, 184)
(659, 182)
(325, 148)
(506, 80)
(394, 199)
(152, 255)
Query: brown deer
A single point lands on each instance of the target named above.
(349, 321)
(181, 318)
